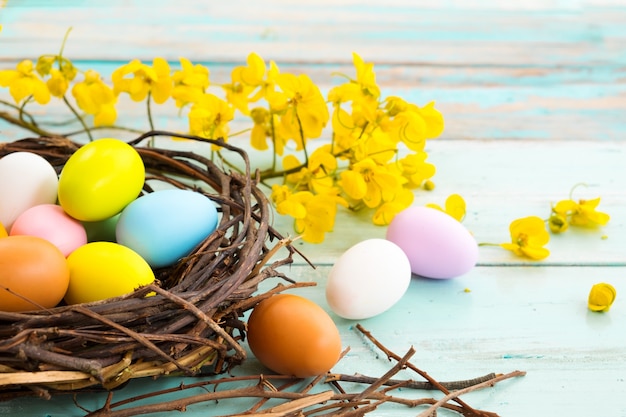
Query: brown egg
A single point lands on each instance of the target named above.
(292, 335)
(34, 271)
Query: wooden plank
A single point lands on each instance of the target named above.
(533, 95)
(399, 32)
(532, 319)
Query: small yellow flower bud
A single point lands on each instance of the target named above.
(428, 185)
(601, 297)
(558, 223)
(44, 65)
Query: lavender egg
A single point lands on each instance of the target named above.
(437, 245)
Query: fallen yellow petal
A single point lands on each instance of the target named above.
(601, 297)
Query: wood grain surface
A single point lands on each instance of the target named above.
(534, 97)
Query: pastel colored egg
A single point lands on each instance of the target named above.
(50, 222)
(103, 230)
(100, 179)
(3, 231)
(166, 225)
(437, 245)
(101, 270)
(368, 279)
(26, 180)
(34, 274)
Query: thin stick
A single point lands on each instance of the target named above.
(200, 314)
(420, 385)
(430, 379)
(455, 394)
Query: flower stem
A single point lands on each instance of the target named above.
(150, 121)
(80, 119)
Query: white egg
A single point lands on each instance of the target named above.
(368, 279)
(26, 180)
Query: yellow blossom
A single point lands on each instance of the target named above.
(582, 213)
(455, 206)
(144, 79)
(23, 82)
(528, 236)
(57, 83)
(314, 214)
(302, 107)
(434, 120)
(250, 83)
(415, 169)
(94, 97)
(387, 211)
(209, 117)
(365, 76)
(601, 297)
(376, 145)
(370, 182)
(190, 82)
(317, 175)
(266, 127)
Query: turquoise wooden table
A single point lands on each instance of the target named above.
(534, 96)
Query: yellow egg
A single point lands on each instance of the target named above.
(101, 270)
(100, 179)
(3, 231)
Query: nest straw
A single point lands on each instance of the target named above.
(190, 318)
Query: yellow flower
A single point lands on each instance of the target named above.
(302, 107)
(582, 213)
(94, 97)
(190, 82)
(313, 214)
(455, 206)
(415, 169)
(370, 182)
(387, 211)
(411, 124)
(528, 236)
(365, 76)
(601, 297)
(266, 126)
(376, 145)
(317, 175)
(209, 117)
(60, 77)
(434, 120)
(144, 79)
(57, 83)
(23, 83)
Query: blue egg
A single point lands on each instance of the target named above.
(165, 226)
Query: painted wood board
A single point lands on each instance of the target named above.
(514, 318)
(534, 96)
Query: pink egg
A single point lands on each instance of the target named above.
(50, 222)
(437, 245)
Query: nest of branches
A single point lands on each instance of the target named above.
(193, 316)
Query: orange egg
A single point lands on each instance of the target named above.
(292, 335)
(33, 274)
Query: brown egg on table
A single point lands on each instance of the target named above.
(292, 335)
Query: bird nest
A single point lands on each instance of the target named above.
(192, 319)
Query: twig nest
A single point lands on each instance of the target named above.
(189, 318)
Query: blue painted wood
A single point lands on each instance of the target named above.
(533, 96)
